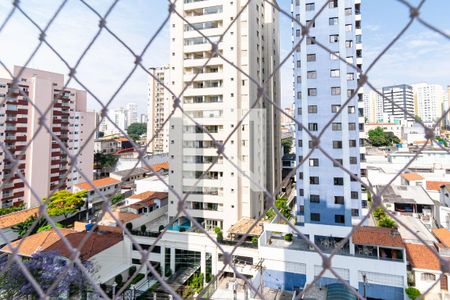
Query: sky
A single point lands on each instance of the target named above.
(419, 56)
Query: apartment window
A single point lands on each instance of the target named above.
(355, 212)
(340, 161)
(351, 110)
(314, 180)
(348, 27)
(311, 57)
(334, 73)
(354, 195)
(311, 40)
(348, 11)
(312, 126)
(334, 38)
(315, 217)
(333, 21)
(428, 277)
(312, 74)
(299, 79)
(340, 219)
(299, 95)
(348, 43)
(297, 33)
(337, 144)
(301, 192)
(338, 181)
(350, 76)
(314, 198)
(352, 143)
(312, 92)
(353, 160)
(335, 91)
(334, 56)
(300, 143)
(312, 109)
(351, 126)
(358, 39)
(300, 174)
(310, 6)
(333, 4)
(310, 23)
(339, 200)
(313, 162)
(335, 108)
(299, 63)
(299, 111)
(335, 126)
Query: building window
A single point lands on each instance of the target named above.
(335, 108)
(340, 161)
(355, 212)
(310, 23)
(351, 126)
(353, 160)
(351, 110)
(314, 198)
(428, 277)
(299, 111)
(311, 40)
(348, 27)
(354, 195)
(352, 143)
(315, 217)
(339, 200)
(338, 181)
(336, 126)
(348, 11)
(311, 57)
(334, 73)
(340, 219)
(334, 56)
(334, 38)
(348, 43)
(311, 74)
(337, 144)
(312, 109)
(300, 143)
(314, 180)
(350, 76)
(333, 21)
(301, 192)
(333, 4)
(312, 92)
(350, 92)
(335, 91)
(313, 162)
(312, 126)
(299, 95)
(310, 6)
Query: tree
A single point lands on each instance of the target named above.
(281, 205)
(46, 268)
(287, 145)
(48, 227)
(378, 137)
(412, 293)
(104, 161)
(117, 198)
(64, 202)
(8, 210)
(22, 228)
(386, 221)
(143, 228)
(135, 130)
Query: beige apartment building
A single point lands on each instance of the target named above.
(160, 105)
(218, 98)
(44, 163)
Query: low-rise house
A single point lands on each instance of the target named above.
(412, 179)
(8, 221)
(130, 176)
(108, 187)
(145, 202)
(106, 145)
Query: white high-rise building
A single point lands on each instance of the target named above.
(132, 114)
(373, 107)
(398, 102)
(120, 118)
(429, 101)
(160, 105)
(218, 98)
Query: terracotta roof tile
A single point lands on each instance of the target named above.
(370, 235)
(435, 185)
(97, 183)
(420, 257)
(150, 195)
(158, 167)
(17, 217)
(49, 240)
(443, 236)
(411, 176)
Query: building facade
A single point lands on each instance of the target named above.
(220, 96)
(373, 107)
(325, 193)
(398, 102)
(159, 108)
(429, 101)
(20, 118)
(132, 114)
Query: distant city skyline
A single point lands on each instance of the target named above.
(412, 60)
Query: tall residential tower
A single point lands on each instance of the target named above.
(218, 97)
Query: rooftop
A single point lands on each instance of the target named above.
(380, 236)
(406, 194)
(49, 240)
(411, 176)
(130, 173)
(123, 217)
(97, 183)
(435, 185)
(420, 257)
(149, 195)
(417, 227)
(443, 235)
(17, 217)
(243, 227)
(158, 167)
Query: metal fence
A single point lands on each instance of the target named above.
(364, 75)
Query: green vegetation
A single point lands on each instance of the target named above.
(378, 137)
(22, 228)
(255, 240)
(143, 228)
(281, 205)
(217, 230)
(118, 279)
(64, 203)
(137, 278)
(383, 219)
(442, 141)
(129, 226)
(8, 210)
(287, 145)
(48, 227)
(117, 198)
(412, 293)
(219, 236)
(104, 161)
(135, 130)
(288, 237)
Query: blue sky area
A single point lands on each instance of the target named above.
(420, 55)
